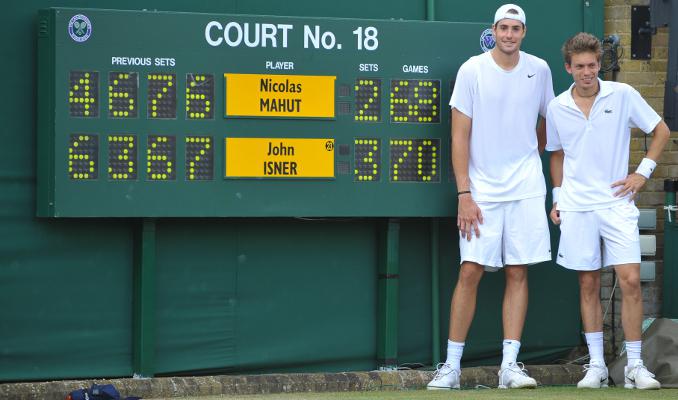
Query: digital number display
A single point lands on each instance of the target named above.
(199, 158)
(367, 161)
(367, 100)
(83, 157)
(411, 101)
(83, 94)
(122, 157)
(414, 160)
(123, 89)
(199, 96)
(161, 158)
(162, 96)
(415, 101)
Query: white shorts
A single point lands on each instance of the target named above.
(581, 233)
(512, 233)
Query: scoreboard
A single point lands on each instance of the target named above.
(164, 114)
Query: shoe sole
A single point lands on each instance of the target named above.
(441, 388)
(632, 386)
(603, 385)
(517, 387)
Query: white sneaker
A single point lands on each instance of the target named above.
(514, 376)
(639, 377)
(444, 378)
(595, 378)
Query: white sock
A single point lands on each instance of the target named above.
(510, 351)
(595, 342)
(633, 352)
(454, 352)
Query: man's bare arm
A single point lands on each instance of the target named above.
(661, 135)
(541, 134)
(634, 182)
(556, 164)
(469, 216)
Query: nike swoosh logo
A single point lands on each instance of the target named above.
(608, 111)
(530, 76)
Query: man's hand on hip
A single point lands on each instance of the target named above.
(630, 185)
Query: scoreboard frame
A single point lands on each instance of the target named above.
(149, 139)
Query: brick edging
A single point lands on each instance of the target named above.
(280, 383)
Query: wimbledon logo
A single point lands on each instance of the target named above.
(79, 28)
(487, 40)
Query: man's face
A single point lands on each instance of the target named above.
(508, 33)
(584, 68)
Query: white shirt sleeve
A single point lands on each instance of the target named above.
(641, 115)
(462, 95)
(547, 95)
(552, 137)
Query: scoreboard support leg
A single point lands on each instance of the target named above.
(435, 291)
(387, 302)
(143, 302)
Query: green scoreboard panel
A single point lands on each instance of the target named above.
(160, 114)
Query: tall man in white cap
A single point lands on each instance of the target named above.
(589, 131)
(496, 139)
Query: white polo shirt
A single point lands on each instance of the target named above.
(596, 149)
(504, 106)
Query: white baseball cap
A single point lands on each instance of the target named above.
(502, 12)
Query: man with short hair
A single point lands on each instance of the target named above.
(497, 100)
(589, 130)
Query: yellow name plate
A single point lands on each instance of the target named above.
(289, 96)
(279, 158)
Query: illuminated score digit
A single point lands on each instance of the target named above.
(83, 94)
(367, 153)
(161, 158)
(199, 96)
(83, 157)
(162, 96)
(367, 100)
(199, 158)
(415, 160)
(415, 101)
(123, 89)
(122, 157)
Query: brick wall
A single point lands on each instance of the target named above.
(648, 77)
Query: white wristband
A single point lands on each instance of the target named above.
(646, 167)
(555, 194)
